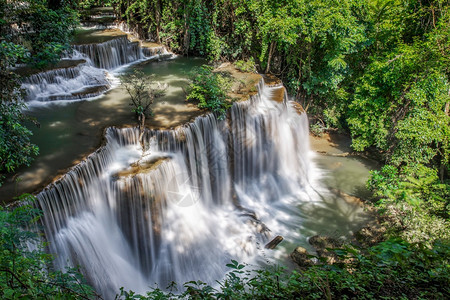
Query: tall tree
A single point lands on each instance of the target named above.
(15, 146)
(34, 32)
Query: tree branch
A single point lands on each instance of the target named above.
(15, 276)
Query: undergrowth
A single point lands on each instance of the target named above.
(393, 269)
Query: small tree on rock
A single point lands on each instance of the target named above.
(143, 91)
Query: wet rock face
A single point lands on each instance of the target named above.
(301, 257)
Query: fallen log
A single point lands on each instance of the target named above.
(273, 243)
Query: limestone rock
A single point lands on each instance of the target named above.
(301, 257)
(322, 242)
(370, 235)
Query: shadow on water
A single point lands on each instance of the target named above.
(332, 216)
(340, 211)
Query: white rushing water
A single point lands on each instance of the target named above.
(200, 196)
(67, 83)
(91, 78)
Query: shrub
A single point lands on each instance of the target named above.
(209, 89)
(390, 270)
(27, 273)
(246, 66)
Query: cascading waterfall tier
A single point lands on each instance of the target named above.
(112, 54)
(79, 82)
(91, 78)
(200, 195)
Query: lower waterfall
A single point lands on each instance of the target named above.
(197, 197)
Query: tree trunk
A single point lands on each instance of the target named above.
(158, 20)
(142, 130)
(299, 88)
(186, 32)
(442, 166)
(272, 47)
(273, 243)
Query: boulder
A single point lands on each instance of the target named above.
(301, 257)
(322, 242)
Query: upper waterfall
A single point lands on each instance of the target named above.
(112, 54)
(90, 78)
(198, 196)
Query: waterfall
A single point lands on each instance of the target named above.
(199, 196)
(91, 78)
(112, 54)
(81, 81)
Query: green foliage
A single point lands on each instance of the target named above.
(35, 32)
(246, 65)
(378, 68)
(316, 129)
(44, 30)
(390, 270)
(400, 107)
(142, 91)
(414, 186)
(86, 4)
(199, 27)
(415, 200)
(15, 147)
(10, 54)
(209, 89)
(25, 269)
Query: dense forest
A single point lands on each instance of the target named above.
(377, 70)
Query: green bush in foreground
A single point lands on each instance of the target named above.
(390, 270)
(27, 273)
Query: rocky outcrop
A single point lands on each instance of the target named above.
(302, 258)
(139, 168)
(323, 246)
(369, 236)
